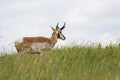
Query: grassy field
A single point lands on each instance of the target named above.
(67, 63)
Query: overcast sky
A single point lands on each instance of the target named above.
(86, 20)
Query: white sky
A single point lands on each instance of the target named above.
(86, 20)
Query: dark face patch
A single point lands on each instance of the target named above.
(61, 36)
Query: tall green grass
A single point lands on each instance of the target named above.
(67, 63)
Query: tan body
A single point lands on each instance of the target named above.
(37, 44)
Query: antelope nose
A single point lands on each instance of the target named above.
(63, 38)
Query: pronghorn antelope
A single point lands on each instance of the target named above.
(38, 44)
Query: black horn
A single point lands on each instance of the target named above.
(63, 26)
(57, 26)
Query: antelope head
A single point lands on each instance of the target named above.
(58, 31)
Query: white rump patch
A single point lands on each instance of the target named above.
(18, 42)
(37, 47)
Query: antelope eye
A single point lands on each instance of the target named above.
(58, 35)
(60, 32)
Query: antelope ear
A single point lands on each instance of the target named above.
(52, 28)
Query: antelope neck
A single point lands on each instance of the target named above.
(54, 39)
